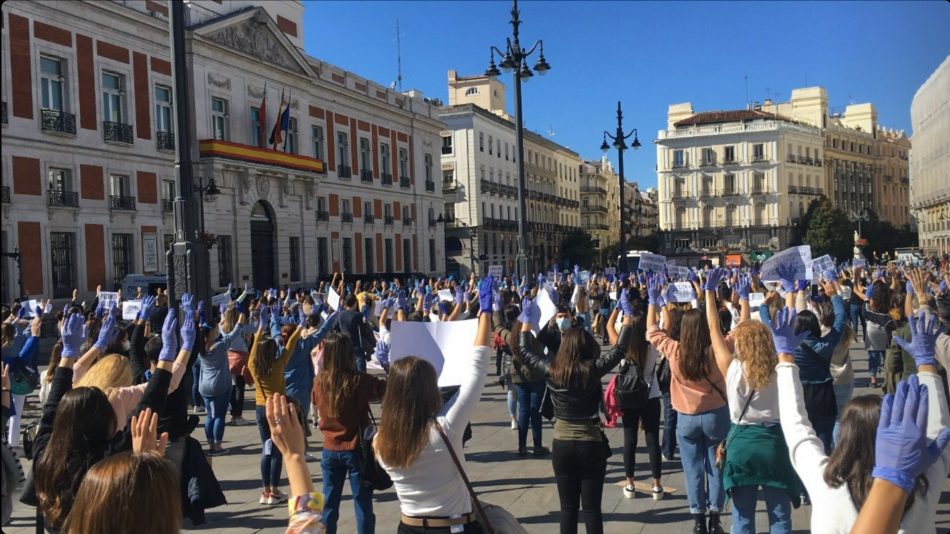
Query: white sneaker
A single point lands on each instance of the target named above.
(514, 424)
(264, 498)
(199, 409)
(240, 421)
(629, 492)
(658, 493)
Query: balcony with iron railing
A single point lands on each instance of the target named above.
(594, 208)
(368, 218)
(121, 202)
(593, 189)
(57, 198)
(168, 205)
(407, 221)
(430, 186)
(164, 140)
(117, 132)
(450, 188)
(3, 112)
(386, 179)
(387, 220)
(404, 182)
(323, 215)
(344, 171)
(57, 121)
(446, 150)
(5, 194)
(366, 175)
(346, 217)
(432, 223)
(804, 190)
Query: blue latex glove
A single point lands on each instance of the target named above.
(541, 280)
(783, 332)
(264, 317)
(654, 291)
(496, 300)
(786, 273)
(713, 278)
(202, 317)
(459, 294)
(691, 276)
(901, 451)
(486, 294)
(625, 305)
(170, 337)
(909, 288)
(529, 312)
(301, 317)
(188, 333)
(100, 309)
(188, 305)
(802, 285)
(73, 335)
(223, 308)
(428, 301)
(830, 274)
(148, 307)
(444, 308)
(382, 353)
(401, 302)
(107, 333)
(924, 329)
(743, 287)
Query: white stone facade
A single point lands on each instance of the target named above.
(930, 160)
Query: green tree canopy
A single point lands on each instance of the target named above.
(829, 231)
(577, 248)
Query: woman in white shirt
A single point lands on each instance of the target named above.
(756, 455)
(433, 497)
(839, 484)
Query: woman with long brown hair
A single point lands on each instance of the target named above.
(756, 455)
(697, 392)
(433, 497)
(839, 483)
(343, 395)
(580, 450)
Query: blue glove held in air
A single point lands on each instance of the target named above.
(924, 329)
(73, 335)
(486, 294)
(170, 337)
(783, 332)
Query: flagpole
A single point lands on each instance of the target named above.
(290, 98)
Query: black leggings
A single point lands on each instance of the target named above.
(237, 395)
(650, 416)
(580, 468)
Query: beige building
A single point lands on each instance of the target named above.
(865, 164)
(642, 213)
(600, 202)
(734, 181)
(480, 182)
(930, 160)
(88, 150)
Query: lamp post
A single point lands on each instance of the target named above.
(187, 258)
(861, 216)
(619, 142)
(513, 60)
(210, 190)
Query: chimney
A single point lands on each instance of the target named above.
(756, 106)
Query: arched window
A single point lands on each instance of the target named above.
(471, 91)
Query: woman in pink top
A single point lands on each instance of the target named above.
(698, 393)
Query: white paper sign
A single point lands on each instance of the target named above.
(822, 264)
(677, 271)
(652, 262)
(547, 310)
(333, 299)
(583, 276)
(31, 306)
(613, 295)
(130, 309)
(683, 292)
(756, 299)
(107, 298)
(798, 257)
(610, 270)
(378, 308)
(446, 345)
(496, 270)
(446, 294)
(218, 300)
(859, 262)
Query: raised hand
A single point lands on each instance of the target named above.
(528, 312)
(743, 286)
(188, 305)
(145, 437)
(170, 337)
(285, 429)
(73, 334)
(901, 451)
(625, 305)
(786, 273)
(148, 307)
(654, 291)
(924, 329)
(382, 353)
(107, 333)
(783, 332)
(486, 294)
(459, 294)
(201, 312)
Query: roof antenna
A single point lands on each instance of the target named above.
(746, 89)
(398, 58)
(551, 132)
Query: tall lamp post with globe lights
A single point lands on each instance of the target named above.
(514, 60)
(619, 142)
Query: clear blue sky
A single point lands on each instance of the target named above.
(647, 54)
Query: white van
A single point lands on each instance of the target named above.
(148, 282)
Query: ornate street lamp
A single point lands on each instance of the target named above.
(619, 142)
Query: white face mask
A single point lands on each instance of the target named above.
(126, 345)
(563, 323)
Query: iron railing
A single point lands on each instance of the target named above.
(168, 205)
(117, 132)
(407, 221)
(404, 182)
(118, 202)
(366, 175)
(63, 199)
(368, 218)
(388, 220)
(323, 215)
(386, 179)
(430, 186)
(3, 112)
(5, 194)
(165, 140)
(52, 120)
(346, 217)
(343, 171)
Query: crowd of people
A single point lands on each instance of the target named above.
(756, 400)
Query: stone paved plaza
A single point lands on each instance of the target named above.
(523, 486)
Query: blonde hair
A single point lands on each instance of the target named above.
(112, 371)
(756, 352)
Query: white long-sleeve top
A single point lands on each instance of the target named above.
(432, 485)
(832, 509)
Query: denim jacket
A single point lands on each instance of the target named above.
(813, 356)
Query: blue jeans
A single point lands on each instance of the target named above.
(669, 427)
(271, 461)
(512, 398)
(337, 466)
(196, 397)
(214, 420)
(777, 504)
(857, 315)
(699, 435)
(875, 357)
(529, 406)
(842, 396)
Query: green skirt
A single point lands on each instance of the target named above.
(758, 456)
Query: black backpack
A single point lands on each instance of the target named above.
(631, 390)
